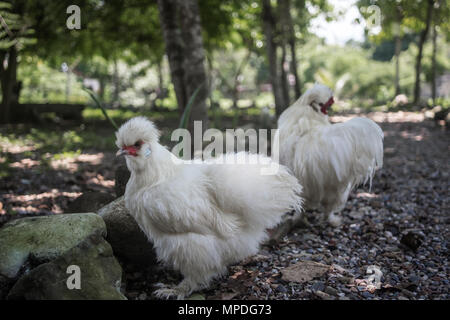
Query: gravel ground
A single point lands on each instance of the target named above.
(400, 226)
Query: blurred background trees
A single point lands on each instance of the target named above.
(244, 56)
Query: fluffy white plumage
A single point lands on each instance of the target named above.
(200, 217)
(328, 159)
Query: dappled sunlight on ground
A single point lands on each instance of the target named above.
(15, 149)
(25, 163)
(72, 163)
(424, 133)
(42, 176)
(35, 203)
(99, 180)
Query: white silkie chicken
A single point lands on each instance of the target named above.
(328, 159)
(200, 217)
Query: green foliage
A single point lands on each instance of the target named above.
(14, 30)
(43, 84)
(128, 32)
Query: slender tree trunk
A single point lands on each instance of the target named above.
(436, 19)
(269, 27)
(433, 67)
(282, 7)
(162, 91)
(236, 78)
(116, 84)
(174, 48)
(398, 46)
(102, 88)
(294, 68)
(68, 84)
(423, 37)
(10, 90)
(283, 77)
(289, 32)
(194, 61)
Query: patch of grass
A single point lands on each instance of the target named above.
(61, 142)
(67, 154)
(95, 114)
(5, 170)
(121, 115)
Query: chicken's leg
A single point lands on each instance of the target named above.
(183, 289)
(333, 218)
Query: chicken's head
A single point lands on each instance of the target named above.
(136, 139)
(319, 97)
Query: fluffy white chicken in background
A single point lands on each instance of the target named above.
(200, 217)
(328, 159)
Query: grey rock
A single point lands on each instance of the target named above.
(43, 238)
(100, 275)
(304, 271)
(127, 239)
(121, 178)
(318, 286)
(412, 240)
(324, 296)
(281, 288)
(331, 291)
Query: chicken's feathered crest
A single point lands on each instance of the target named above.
(135, 129)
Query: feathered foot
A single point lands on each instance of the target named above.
(180, 291)
(303, 222)
(334, 220)
(329, 219)
(167, 293)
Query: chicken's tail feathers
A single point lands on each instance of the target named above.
(369, 145)
(283, 194)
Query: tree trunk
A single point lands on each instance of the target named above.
(433, 66)
(398, 46)
(102, 83)
(283, 77)
(236, 79)
(289, 32)
(161, 94)
(116, 93)
(423, 37)
(294, 69)
(174, 48)
(9, 84)
(194, 62)
(269, 25)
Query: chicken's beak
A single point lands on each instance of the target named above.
(121, 152)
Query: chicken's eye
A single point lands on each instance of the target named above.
(138, 144)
